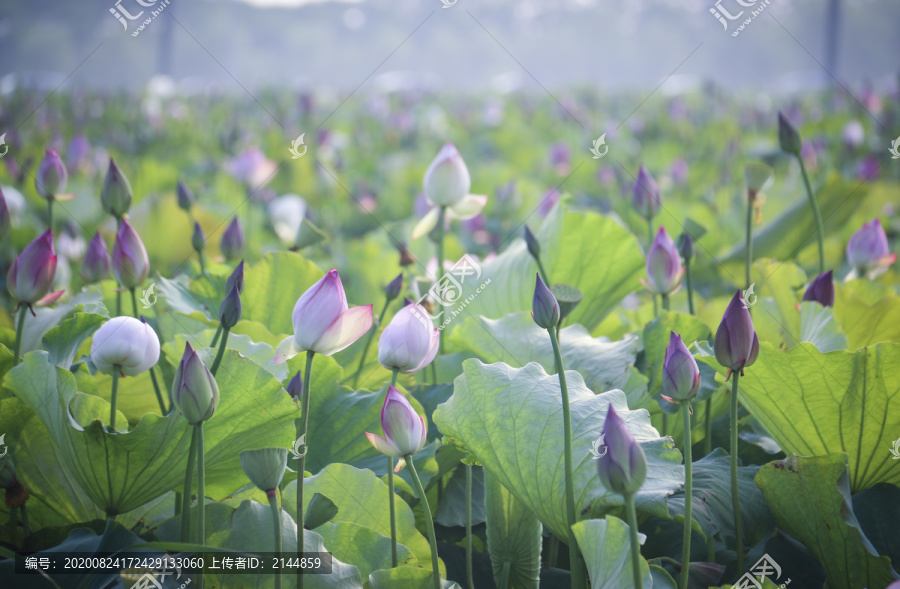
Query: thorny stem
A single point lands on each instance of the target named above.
(115, 393)
(394, 559)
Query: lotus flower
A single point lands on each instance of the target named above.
(664, 269)
(232, 244)
(116, 195)
(96, 263)
(323, 322)
(51, 177)
(821, 290)
(544, 306)
(251, 168)
(737, 344)
(410, 341)
(624, 467)
(404, 429)
(868, 251)
(680, 375)
(126, 342)
(447, 184)
(194, 390)
(645, 198)
(853, 134)
(31, 274)
(129, 257)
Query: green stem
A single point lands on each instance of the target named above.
(553, 553)
(203, 271)
(751, 196)
(543, 272)
(649, 231)
(394, 559)
(372, 331)
(221, 351)
(665, 424)
(707, 429)
(820, 228)
(201, 486)
(688, 463)
(504, 574)
(440, 269)
(272, 495)
(735, 499)
(690, 290)
(394, 373)
(115, 394)
(215, 339)
(434, 369)
(50, 213)
(304, 424)
(177, 503)
(188, 489)
(20, 331)
(635, 545)
(665, 302)
(429, 524)
(26, 528)
(159, 399)
(469, 526)
(574, 567)
(118, 302)
(134, 309)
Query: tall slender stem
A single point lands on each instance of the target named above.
(469, 526)
(665, 424)
(188, 489)
(272, 495)
(394, 559)
(20, 331)
(221, 351)
(665, 302)
(50, 213)
(440, 267)
(134, 309)
(820, 228)
(574, 565)
(690, 290)
(504, 574)
(635, 544)
(735, 498)
(202, 264)
(115, 394)
(751, 196)
(304, 424)
(215, 339)
(688, 482)
(118, 302)
(201, 486)
(372, 331)
(159, 399)
(544, 276)
(429, 524)
(707, 428)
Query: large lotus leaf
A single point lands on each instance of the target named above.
(810, 499)
(868, 313)
(274, 284)
(566, 239)
(407, 578)
(451, 509)
(510, 419)
(818, 327)
(775, 286)
(262, 354)
(122, 471)
(813, 404)
(361, 498)
(606, 546)
(63, 341)
(516, 340)
(364, 547)
(513, 535)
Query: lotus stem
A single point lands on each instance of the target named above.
(188, 489)
(118, 302)
(50, 213)
(304, 424)
(429, 524)
(134, 309)
(751, 196)
(202, 262)
(440, 270)
(688, 465)
(20, 332)
(544, 276)
(201, 486)
(735, 497)
(26, 528)
(820, 228)
(504, 574)
(690, 290)
(469, 526)
(272, 495)
(635, 544)
(665, 302)
(215, 339)
(390, 460)
(372, 331)
(707, 429)
(115, 393)
(221, 351)
(159, 399)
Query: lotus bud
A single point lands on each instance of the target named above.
(664, 269)
(680, 374)
(236, 278)
(265, 467)
(737, 344)
(232, 243)
(126, 343)
(821, 290)
(186, 198)
(30, 277)
(392, 290)
(295, 386)
(51, 177)
(686, 246)
(410, 341)
(624, 467)
(868, 249)
(96, 263)
(447, 179)
(531, 242)
(544, 307)
(5, 222)
(194, 390)
(404, 430)
(129, 257)
(645, 197)
(116, 195)
(198, 239)
(230, 310)
(788, 136)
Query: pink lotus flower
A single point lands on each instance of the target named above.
(404, 429)
(323, 322)
(868, 251)
(129, 257)
(664, 270)
(252, 168)
(410, 341)
(31, 274)
(645, 196)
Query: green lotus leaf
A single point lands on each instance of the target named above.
(514, 537)
(868, 312)
(606, 546)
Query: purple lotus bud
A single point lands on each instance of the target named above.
(236, 278)
(392, 290)
(116, 195)
(31, 274)
(544, 307)
(686, 246)
(868, 250)
(194, 390)
(821, 290)
(410, 341)
(788, 136)
(198, 239)
(664, 270)
(624, 467)
(129, 257)
(645, 195)
(4, 218)
(295, 387)
(531, 242)
(680, 375)
(737, 345)
(126, 342)
(404, 430)
(230, 310)
(186, 198)
(232, 243)
(96, 263)
(447, 179)
(51, 177)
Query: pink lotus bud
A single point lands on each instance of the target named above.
(645, 196)
(680, 375)
(737, 344)
(126, 342)
(664, 270)
(404, 429)
(31, 274)
(96, 263)
(447, 179)
(323, 322)
(410, 341)
(129, 257)
(51, 177)
(232, 243)
(624, 466)
(868, 250)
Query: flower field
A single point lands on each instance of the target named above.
(500, 352)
